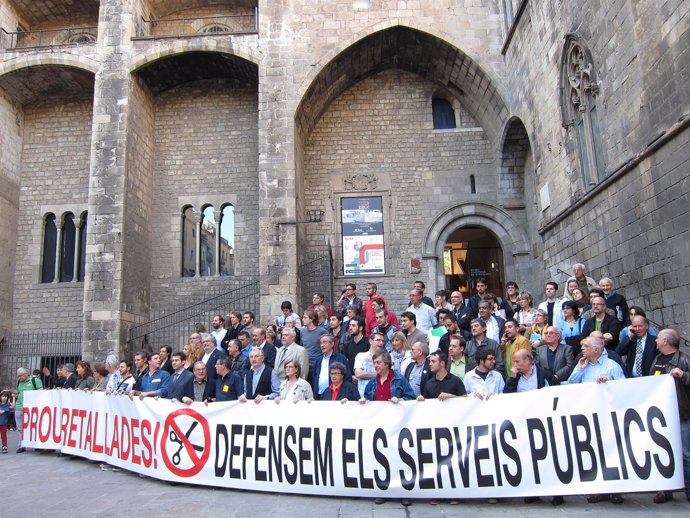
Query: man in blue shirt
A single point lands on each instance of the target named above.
(154, 382)
(595, 365)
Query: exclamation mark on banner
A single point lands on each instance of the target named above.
(155, 445)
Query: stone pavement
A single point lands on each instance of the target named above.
(45, 484)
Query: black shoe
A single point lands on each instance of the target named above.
(380, 500)
(21, 450)
(557, 500)
(531, 499)
(405, 501)
(595, 499)
(616, 498)
(662, 497)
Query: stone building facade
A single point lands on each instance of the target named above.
(568, 143)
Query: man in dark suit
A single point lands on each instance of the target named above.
(418, 371)
(555, 356)
(211, 355)
(321, 378)
(181, 380)
(609, 325)
(269, 350)
(260, 381)
(240, 363)
(640, 350)
(463, 314)
(203, 390)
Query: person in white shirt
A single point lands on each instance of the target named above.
(484, 381)
(552, 305)
(364, 362)
(218, 330)
(426, 315)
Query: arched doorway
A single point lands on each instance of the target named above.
(472, 253)
(510, 240)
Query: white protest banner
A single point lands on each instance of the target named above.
(621, 436)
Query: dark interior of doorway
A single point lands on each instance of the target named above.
(472, 253)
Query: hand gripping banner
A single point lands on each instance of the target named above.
(621, 436)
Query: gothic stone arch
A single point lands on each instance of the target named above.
(512, 238)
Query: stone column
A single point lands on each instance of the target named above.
(105, 307)
(277, 173)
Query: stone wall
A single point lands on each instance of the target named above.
(383, 126)
(634, 227)
(205, 152)
(54, 176)
(11, 124)
(337, 95)
(139, 213)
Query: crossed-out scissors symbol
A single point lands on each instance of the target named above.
(175, 438)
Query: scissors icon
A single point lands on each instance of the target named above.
(175, 438)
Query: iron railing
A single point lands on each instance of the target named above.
(246, 23)
(173, 327)
(49, 38)
(36, 350)
(316, 276)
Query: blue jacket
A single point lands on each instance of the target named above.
(157, 381)
(183, 386)
(400, 388)
(335, 357)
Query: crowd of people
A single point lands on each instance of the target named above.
(359, 350)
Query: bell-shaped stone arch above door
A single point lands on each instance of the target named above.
(511, 237)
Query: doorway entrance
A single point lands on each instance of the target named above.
(472, 253)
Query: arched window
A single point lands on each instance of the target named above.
(188, 242)
(82, 247)
(227, 241)
(69, 235)
(82, 37)
(215, 28)
(208, 241)
(64, 249)
(49, 248)
(580, 91)
(208, 230)
(443, 113)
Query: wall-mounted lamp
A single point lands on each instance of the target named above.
(313, 216)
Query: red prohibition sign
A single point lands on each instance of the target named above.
(180, 442)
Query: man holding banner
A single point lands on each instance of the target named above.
(484, 381)
(387, 385)
(676, 363)
(595, 365)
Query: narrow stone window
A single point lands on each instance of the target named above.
(69, 234)
(580, 96)
(473, 185)
(227, 240)
(81, 264)
(188, 242)
(49, 249)
(207, 248)
(443, 114)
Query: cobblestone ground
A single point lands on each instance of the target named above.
(45, 484)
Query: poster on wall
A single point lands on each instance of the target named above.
(362, 224)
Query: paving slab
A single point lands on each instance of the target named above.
(75, 487)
